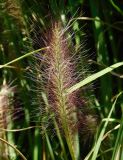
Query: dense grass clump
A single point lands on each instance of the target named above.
(63, 116)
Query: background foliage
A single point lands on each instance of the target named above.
(100, 25)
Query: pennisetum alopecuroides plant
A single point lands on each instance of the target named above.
(5, 101)
(55, 73)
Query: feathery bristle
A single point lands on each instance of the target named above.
(4, 109)
(55, 73)
(8, 112)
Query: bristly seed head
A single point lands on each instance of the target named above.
(56, 71)
(5, 92)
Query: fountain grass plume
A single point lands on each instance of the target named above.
(9, 111)
(60, 76)
(55, 73)
(5, 100)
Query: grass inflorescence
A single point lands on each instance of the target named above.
(54, 73)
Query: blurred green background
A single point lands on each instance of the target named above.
(99, 24)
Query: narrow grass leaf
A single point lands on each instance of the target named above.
(22, 57)
(17, 151)
(118, 149)
(98, 143)
(93, 77)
